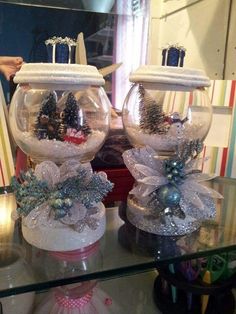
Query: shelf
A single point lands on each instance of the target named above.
(125, 250)
(101, 35)
(59, 4)
(80, 5)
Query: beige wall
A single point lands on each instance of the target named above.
(201, 26)
(230, 65)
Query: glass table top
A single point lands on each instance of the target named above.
(125, 250)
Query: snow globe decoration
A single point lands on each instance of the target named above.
(166, 116)
(60, 116)
(166, 106)
(59, 112)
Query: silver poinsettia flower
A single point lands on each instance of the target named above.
(171, 185)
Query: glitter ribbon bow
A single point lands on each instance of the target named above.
(68, 194)
(155, 177)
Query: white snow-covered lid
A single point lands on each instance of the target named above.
(168, 75)
(59, 74)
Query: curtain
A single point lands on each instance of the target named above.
(6, 159)
(130, 47)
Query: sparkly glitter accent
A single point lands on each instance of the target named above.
(69, 194)
(171, 226)
(59, 40)
(56, 236)
(168, 197)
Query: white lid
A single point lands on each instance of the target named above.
(167, 75)
(59, 74)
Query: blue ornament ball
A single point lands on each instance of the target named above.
(60, 213)
(169, 195)
(173, 163)
(180, 165)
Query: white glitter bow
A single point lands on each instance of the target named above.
(148, 170)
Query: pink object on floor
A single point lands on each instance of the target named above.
(93, 302)
(70, 303)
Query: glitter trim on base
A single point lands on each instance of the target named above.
(141, 218)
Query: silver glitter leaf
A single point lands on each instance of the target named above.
(93, 223)
(70, 169)
(146, 171)
(38, 216)
(169, 221)
(89, 221)
(77, 212)
(80, 226)
(143, 156)
(190, 195)
(200, 177)
(48, 171)
(205, 190)
(142, 190)
(154, 180)
(178, 212)
(167, 211)
(130, 162)
(93, 210)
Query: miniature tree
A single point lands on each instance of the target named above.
(142, 107)
(47, 123)
(70, 113)
(71, 116)
(152, 117)
(85, 128)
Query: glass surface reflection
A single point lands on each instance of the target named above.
(125, 249)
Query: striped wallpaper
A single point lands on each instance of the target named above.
(221, 139)
(222, 160)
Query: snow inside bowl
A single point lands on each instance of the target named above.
(59, 112)
(166, 106)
